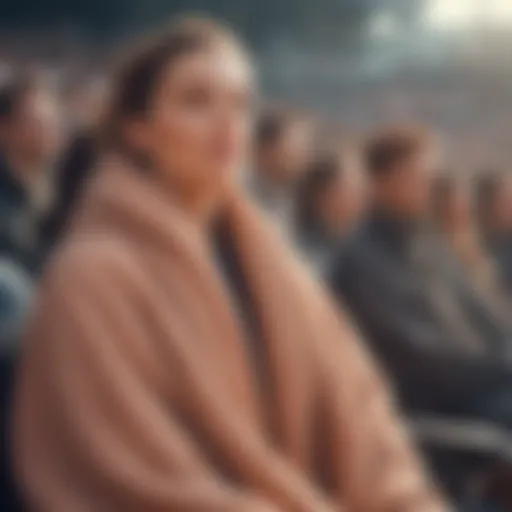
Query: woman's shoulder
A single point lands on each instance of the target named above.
(96, 258)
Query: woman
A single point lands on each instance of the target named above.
(330, 200)
(143, 387)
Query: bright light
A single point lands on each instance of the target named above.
(451, 14)
(500, 12)
(464, 14)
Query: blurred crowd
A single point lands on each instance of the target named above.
(420, 254)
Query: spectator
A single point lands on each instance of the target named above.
(439, 338)
(283, 147)
(138, 390)
(30, 142)
(495, 211)
(455, 219)
(330, 200)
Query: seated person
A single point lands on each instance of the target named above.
(453, 213)
(30, 139)
(495, 211)
(440, 339)
(453, 216)
(282, 151)
(330, 200)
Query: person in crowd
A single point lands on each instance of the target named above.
(330, 200)
(283, 146)
(440, 339)
(454, 216)
(30, 141)
(180, 358)
(495, 213)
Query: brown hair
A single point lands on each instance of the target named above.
(391, 147)
(135, 82)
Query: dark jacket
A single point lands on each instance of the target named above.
(318, 247)
(19, 225)
(438, 338)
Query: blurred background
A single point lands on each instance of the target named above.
(360, 61)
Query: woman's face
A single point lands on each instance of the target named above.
(36, 129)
(199, 126)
